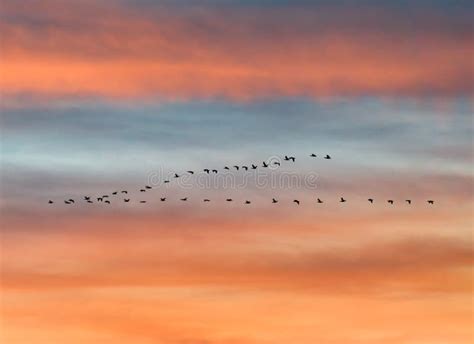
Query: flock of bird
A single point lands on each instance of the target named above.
(106, 199)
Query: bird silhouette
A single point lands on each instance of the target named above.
(147, 187)
(313, 155)
(430, 202)
(292, 158)
(142, 201)
(206, 200)
(226, 168)
(207, 170)
(245, 168)
(229, 199)
(184, 199)
(319, 201)
(342, 200)
(176, 175)
(390, 201)
(99, 199)
(105, 196)
(163, 199)
(114, 193)
(126, 200)
(71, 200)
(107, 201)
(408, 201)
(327, 157)
(286, 158)
(247, 202)
(166, 181)
(214, 171)
(276, 163)
(274, 200)
(191, 172)
(89, 201)
(50, 202)
(254, 167)
(236, 167)
(142, 190)
(296, 201)
(124, 191)
(371, 200)
(265, 164)
(67, 202)
(86, 198)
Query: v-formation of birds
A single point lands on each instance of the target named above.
(106, 199)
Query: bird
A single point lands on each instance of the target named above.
(430, 201)
(50, 202)
(313, 155)
(247, 202)
(274, 200)
(319, 201)
(124, 191)
(254, 167)
(142, 201)
(105, 196)
(296, 201)
(342, 200)
(286, 158)
(408, 201)
(191, 172)
(236, 167)
(371, 200)
(206, 200)
(176, 175)
(107, 201)
(206, 170)
(163, 199)
(86, 198)
(114, 193)
(292, 158)
(67, 202)
(126, 200)
(184, 199)
(71, 200)
(390, 201)
(229, 199)
(142, 190)
(166, 181)
(89, 201)
(147, 187)
(226, 168)
(99, 199)
(265, 164)
(327, 157)
(276, 163)
(246, 168)
(214, 171)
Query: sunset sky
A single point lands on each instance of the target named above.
(100, 96)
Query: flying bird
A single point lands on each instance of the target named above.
(86, 198)
(191, 172)
(142, 201)
(327, 157)
(124, 191)
(71, 200)
(229, 199)
(274, 200)
(114, 193)
(184, 199)
(67, 202)
(296, 201)
(206, 200)
(50, 202)
(342, 200)
(390, 201)
(126, 200)
(236, 167)
(166, 181)
(245, 168)
(371, 200)
(276, 163)
(176, 175)
(313, 155)
(292, 158)
(207, 170)
(148, 187)
(430, 202)
(408, 201)
(226, 168)
(319, 201)
(247, 202)
(107, 201)
(163, 199)
(265, 164)
(105, 196)
(214, 171)
(254, 167)
(99, 199)
(89, 201)
(142, 190)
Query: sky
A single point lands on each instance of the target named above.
(102, 96)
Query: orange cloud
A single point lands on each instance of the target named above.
(129, 54)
